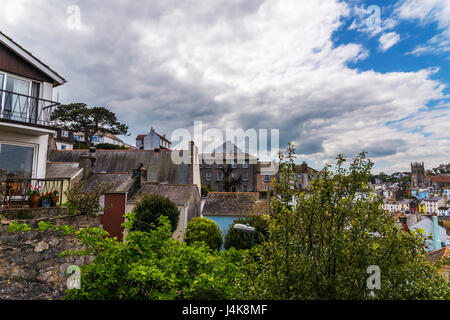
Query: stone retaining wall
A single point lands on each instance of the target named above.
(30, 266)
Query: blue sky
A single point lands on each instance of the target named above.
(312, 69)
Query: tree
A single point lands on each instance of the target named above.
(321, 243)
(150, 208)
(150, 265)
(77, 117)
(242, 240)
(206, 230)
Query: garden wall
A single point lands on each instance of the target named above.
(30, 266)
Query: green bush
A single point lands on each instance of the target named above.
(150, 208)
(242, 240)
(153, 266)
(109, 146)
(205, 191)
(202, 229)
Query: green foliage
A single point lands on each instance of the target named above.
(24, 215)
(109, 146)
(78, 117)
(206, 230)
(151, 265)
(150, 208)
(18, 227)
(77, 145)
(205, 191)
(47, 226)
(320, 246)
(84, 203)
(242, 240)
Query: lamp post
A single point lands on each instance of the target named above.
(246, 228)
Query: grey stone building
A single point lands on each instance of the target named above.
(228, 169)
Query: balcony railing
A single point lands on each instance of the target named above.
(26, 109)
(17, 191)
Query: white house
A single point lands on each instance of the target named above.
(26, 103)
(433, 204)
(152, 141)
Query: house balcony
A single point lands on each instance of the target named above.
(17, 192)
(22, 109)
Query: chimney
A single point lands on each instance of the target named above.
(87, 162)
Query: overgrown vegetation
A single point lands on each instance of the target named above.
(239, 239)
(152, 265)
(150, 208)
(85, 203)
(204, 230)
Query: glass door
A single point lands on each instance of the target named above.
(2, 77)
(34, 103)
(16, 106)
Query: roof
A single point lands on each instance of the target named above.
(427, 225)
(177, 193)
(159, 165)
(116, 182)
(440, 179)
(438, 254)
(234, 204)
(29, 57)
(140, 137)
(65, 170)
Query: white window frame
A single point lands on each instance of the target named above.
(208, 174)
(30, 81)
(64, 133)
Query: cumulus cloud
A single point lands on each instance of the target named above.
(233, 64)
(387, 40)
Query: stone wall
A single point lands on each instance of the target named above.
(30, 266)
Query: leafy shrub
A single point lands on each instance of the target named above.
(109, 146)
(156, 267)
(206, 230)
(242, 240)
(84, 203)
(150, 208)
(205, 191)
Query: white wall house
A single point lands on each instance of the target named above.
(26, 92)
(152, 141)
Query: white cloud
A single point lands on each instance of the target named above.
(429, 11)
(254, 64)
(387, 40)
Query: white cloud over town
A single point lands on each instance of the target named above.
(253, 64)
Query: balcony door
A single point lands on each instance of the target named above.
(16, 106)
(17, 160)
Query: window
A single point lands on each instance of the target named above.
(245, 188)
(55, 134)
(219, 176)
(63, 147)
(266, 187)
(234, 165)
(220, 187)
(233, 189)
(266, 178)
(208, 165)
(64, 133)
(75, 138)
(245, 176)
(245, 164)
(17, 160)
(234, 175)
(220, 165)
(95, 138)
(208, 176)
(15, 107)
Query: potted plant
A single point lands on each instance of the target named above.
(46, 199)
(33, 197)
(55, 197)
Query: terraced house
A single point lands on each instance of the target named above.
(26, 104)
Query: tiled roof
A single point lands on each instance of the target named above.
(62, 169)
(116, 182)
(438, 254)
(160, 167)
(234, 204)
(441, 179)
